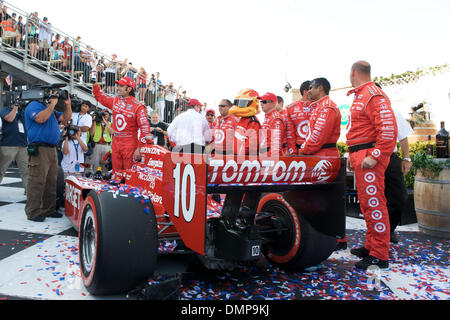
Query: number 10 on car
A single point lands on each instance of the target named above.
(185, 188)
(184, 197)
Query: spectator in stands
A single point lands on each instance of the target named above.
(45, 38)
(55, 60)
(161, 102)
(170, 96)
(91, 60)
(180, 102)
(57, 38)
(101, 134)
(158, 81)
(151, 89)
(32, 34)
(141, 82)
(13, 145)
(68, 52)
(129, 71)
(21, 29)
(100, 71)
(10, 33)
(3, 14)
(82, 64)
(111, 74)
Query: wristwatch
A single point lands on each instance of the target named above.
(407, 159)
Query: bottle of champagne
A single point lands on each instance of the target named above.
(429, 147)
(442, 143)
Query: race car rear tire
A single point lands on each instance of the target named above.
(298, 247)
(118, 243)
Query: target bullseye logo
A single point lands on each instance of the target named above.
(376, 153)
(303, 129)
(219, 136)
(370, 177)
(374, 202)
(380, 227)
(371, 190)
(121, 123)
(377, 215)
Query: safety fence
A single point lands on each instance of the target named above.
(37, 42)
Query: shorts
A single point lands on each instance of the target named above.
(142, 86)
(10, 34)
(110, 79)
(43, 44)
(32, 39)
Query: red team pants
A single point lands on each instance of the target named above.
(122, 154)
(370, 186)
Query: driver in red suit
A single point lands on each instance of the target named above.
(371, 137)
(325, 122)
(129, 116)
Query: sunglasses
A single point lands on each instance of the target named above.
(222, 106)
(265, 101)
(210, 115)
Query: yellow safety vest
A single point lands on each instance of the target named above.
(99, 132)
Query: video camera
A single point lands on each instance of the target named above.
(98, 115)
(42, 94)
(71, 131)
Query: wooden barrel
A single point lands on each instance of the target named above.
(422, 131)
(432, 202)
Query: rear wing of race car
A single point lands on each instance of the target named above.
(314, 186)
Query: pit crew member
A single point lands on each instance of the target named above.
(371, 137)
(272, 130)
(298, 115)
(324, 127)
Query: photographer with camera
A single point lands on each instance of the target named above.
(13, 145)
(101, 134)
(73, 149)
(42, 124)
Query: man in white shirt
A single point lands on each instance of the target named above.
(395, 189)
(190, 131)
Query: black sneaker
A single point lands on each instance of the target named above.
(341, 246)
(55, 215)
(37, 219)
(370, 261)
(394, 239)
(360, 252)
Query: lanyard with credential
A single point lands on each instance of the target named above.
(76, 146)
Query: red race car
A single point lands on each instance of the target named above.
(227, 211)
